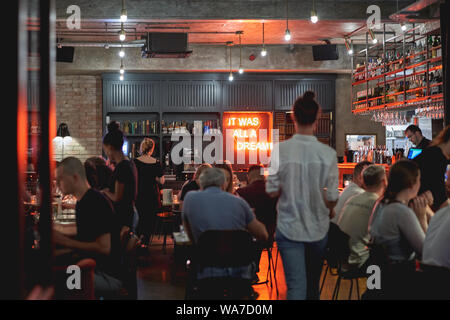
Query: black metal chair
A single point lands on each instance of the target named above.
(221, 249)
(338, 252)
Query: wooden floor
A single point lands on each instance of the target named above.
(157, 282)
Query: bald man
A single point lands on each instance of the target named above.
(96, 232)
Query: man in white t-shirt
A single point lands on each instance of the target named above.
(354, 188)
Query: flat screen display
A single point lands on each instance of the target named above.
(413, 152)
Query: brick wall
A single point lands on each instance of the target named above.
(79, 104)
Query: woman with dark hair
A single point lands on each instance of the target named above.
(150, 177)
(398, 229)
(228, 171)
(433, 163)
(123, 185)
(98, 173)
(401, 223)
(303, 172)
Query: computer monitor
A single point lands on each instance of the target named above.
(413, 152)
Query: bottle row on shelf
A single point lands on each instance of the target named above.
(147, 127)
(399, 91)
(378, 154)
(139, 127)
(396, 60)
(197, 127)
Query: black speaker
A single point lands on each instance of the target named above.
(325, 52)
(64, 54)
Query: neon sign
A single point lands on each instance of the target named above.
(246, 127)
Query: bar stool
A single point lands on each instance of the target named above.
(164, 224)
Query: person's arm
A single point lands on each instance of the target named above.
(331, 192)
(258, 230)
(69, 230)
(101, 245)
(273, 184)
(411, 229)
(184, 217)
(118, 194)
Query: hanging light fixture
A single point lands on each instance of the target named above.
(241, 70)
(122, 33)
(372, 36)
(287, 34)
(230, 77)
(314, 17)
(106, 44)
(121, 52)
(348, 47)
(403, 26)
(122, 70)
(263, 51)
(121, 77)
(123, 13)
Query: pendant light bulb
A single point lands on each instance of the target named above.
(230, 78)
(287, 35)
(121, 77)
(123, 15)
(122, 35)
(121, 53)
(264, 52)
(403, 26)
(314, 17)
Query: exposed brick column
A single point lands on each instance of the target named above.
(79, 104)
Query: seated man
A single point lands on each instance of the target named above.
(354, 188)
(356, 213)
(96, 232)
(213, 208)
(192, 185)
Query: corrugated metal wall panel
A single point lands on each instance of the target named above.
(247, 95)
(138, 96)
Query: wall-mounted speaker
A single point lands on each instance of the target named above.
(325, 52)
(64, 54)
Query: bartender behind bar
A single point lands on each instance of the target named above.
(414, 135)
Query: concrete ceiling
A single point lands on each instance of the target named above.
(216, 22)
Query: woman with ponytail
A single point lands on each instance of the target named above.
(306, 180)
(123, 186)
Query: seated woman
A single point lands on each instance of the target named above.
(401, 223)
(399, 227)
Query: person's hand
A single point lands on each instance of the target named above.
(332, 213)
(419, 205)
(429, 196)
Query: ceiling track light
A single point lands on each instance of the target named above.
(372, 36)
(287, 34)
(263, 51)
(314, 17)
(348, 47)
(123, 13)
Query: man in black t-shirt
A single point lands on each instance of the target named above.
(96, 232)
(414, 135)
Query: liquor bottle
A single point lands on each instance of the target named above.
(439, 50)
